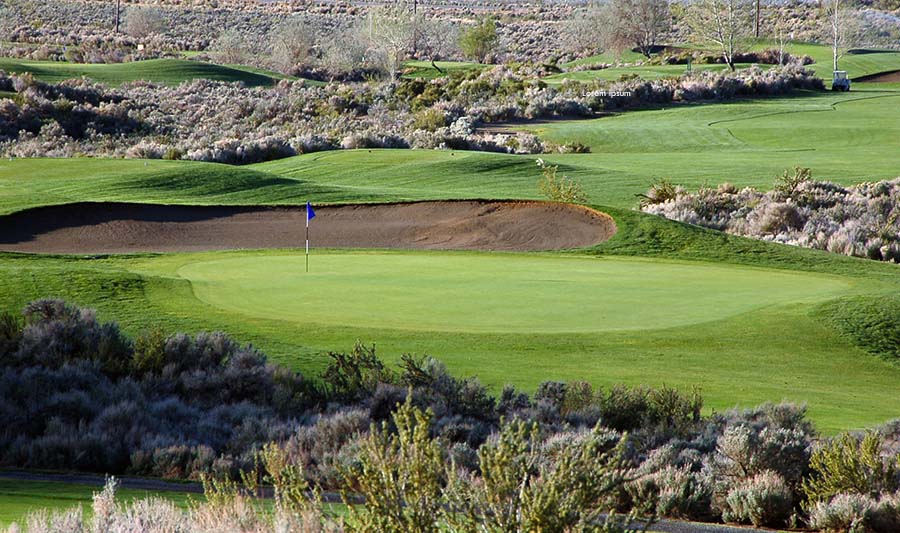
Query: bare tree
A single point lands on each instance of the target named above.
(390, 32)
(231, 48)
(782, 36)
(587, 31)
(142, 21)
(839, 27)
(637, 24)
(293, 43)
(724, 23)
(345, 50)
(437, 39)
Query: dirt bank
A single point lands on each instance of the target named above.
(92, 228)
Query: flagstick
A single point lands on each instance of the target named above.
(307, 241)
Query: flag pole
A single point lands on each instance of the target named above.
(307, 240)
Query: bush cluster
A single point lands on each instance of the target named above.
(76, 392)
(860, 220)
(237, 125)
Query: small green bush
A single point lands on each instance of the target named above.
(788, 183)
(149, 352)
(400, 474)
(479, 41)
(429, 119)
(661, 191)
(10, 333)
(559, 188)
(850, 465)
(351, 375)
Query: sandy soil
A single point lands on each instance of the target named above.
(92, 228)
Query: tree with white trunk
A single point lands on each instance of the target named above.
(839, 27)
(727, 24)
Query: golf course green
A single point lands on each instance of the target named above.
(478, 293)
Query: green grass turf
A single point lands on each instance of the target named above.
(167, 71)
(424, 69)
(18, 498)
(537, 293)
(758, 348)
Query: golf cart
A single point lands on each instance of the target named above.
(840, 82)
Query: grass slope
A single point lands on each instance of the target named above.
(28, 183)
(167, 71)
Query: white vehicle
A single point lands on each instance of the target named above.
(840, 81)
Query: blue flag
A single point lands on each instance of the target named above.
(310, 214)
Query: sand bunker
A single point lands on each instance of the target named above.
(90, 228)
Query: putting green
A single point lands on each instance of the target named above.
(510, 293)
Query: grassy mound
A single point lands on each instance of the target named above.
(166, 71)
(873, 323)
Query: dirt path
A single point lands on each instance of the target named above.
(450, 225)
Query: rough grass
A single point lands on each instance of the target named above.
(647, 72)
(166, 71)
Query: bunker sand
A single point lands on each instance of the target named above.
(91, 228)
